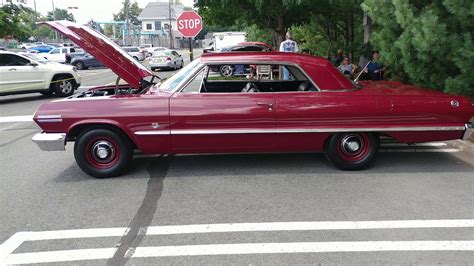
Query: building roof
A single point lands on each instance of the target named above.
(160, 10)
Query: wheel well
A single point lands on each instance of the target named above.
(62, 76)
(79, 129)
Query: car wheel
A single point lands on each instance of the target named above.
(226, 70)
(102, 153)
(175, 66)
(153, 69)
(352, 151)
(79, 65)
(64, 86)
(136, 58)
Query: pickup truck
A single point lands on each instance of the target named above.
(58, 54)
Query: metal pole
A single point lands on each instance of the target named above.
(191, 57)
(54, 18)
(170, 27)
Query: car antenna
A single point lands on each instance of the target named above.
(356, 80)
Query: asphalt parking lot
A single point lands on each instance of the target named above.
(416, 205)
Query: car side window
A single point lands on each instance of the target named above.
(64, 50)
(55, 51)
(196, 85)
(13, 60)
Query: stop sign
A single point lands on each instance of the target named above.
(189, 23)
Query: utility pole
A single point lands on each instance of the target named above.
(54, 18)
(170, 27)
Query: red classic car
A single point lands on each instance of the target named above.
(197, 111)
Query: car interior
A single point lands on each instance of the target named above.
(257, 79)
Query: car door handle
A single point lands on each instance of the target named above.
(12, 69)
(269, 105)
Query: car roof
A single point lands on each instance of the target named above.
(273, 57)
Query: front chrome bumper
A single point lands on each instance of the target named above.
(50, 141)
(469, 131)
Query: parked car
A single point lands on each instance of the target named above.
(58, 54)
(30, 45)
(21, 74)
(77, 52)
(42, 48)
(265, 46)
(135, 52)
(317, 110)
(148, 48)
(85, 61)
(168, 59)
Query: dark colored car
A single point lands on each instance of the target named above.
(85, 61)
(42, 48)
(70, 56)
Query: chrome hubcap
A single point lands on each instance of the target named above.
(103, 151)
(352, 144)
(226, 71)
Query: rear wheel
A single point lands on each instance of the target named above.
(103, 153)
(64, 86)
(79, 65)
(352, 151)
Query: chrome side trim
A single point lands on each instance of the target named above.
(152, 132)
(48, 116)
(469, 131)
(50, 141)
(49, 120)
(315, 130)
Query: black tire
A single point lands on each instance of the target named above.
(153, 69)
(352, 151)
(136, 58)
(91, 146)
(64, 86)
(80, 65)
(46, 93)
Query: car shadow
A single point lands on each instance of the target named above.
(196, 166)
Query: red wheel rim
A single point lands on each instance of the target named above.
(354, 147)
(102, 152)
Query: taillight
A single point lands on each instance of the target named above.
(168, 59)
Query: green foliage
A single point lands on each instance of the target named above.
(427, 42)
(16, 21)
(129, 11)
(257, 34)
(60, 14)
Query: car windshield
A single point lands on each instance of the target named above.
(37, 58)
(173, 82)
(161, 53)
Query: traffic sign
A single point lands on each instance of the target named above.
(189, 24)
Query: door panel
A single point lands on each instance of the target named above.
(222, 122)
(303, 117)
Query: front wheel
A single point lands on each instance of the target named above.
(103, 153)
(64, 86)
(352, 151)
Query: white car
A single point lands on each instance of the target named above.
(166, 59)
(21, 74)
(58, 54)
(29, 45)
(135, 52)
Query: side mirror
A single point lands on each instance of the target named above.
(33, 63)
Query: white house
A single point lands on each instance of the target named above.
(155, 19)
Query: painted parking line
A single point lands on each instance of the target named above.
(8, 247)
(242, 249)
(14, 119)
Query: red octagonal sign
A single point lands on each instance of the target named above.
(189, 23)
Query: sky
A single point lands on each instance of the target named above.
(99, 10)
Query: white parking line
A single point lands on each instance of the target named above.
(13, 119)
(17, 239)
(240, 249)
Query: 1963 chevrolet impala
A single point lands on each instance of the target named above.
(199, 111)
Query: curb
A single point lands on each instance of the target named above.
(467, 150)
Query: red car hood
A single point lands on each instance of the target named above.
(104, 50)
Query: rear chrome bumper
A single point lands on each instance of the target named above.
(50, 141)
(469, 131)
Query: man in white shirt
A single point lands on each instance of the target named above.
(288, 46)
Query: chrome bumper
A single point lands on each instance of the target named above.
(50, 141)
(469, 131)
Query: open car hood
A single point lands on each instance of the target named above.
(104, 50)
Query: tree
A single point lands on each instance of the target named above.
(60, 14)
(16, 21)
(427, 42)
(129, 12)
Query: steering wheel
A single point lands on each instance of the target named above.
(250, 87)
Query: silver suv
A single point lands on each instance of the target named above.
(135, 52)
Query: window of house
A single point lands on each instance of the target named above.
(157, 25)
(148, 26)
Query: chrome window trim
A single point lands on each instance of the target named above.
(184, 83)
(152, 132)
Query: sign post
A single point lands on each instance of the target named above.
(189, 25)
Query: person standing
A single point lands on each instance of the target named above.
(288, 46)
